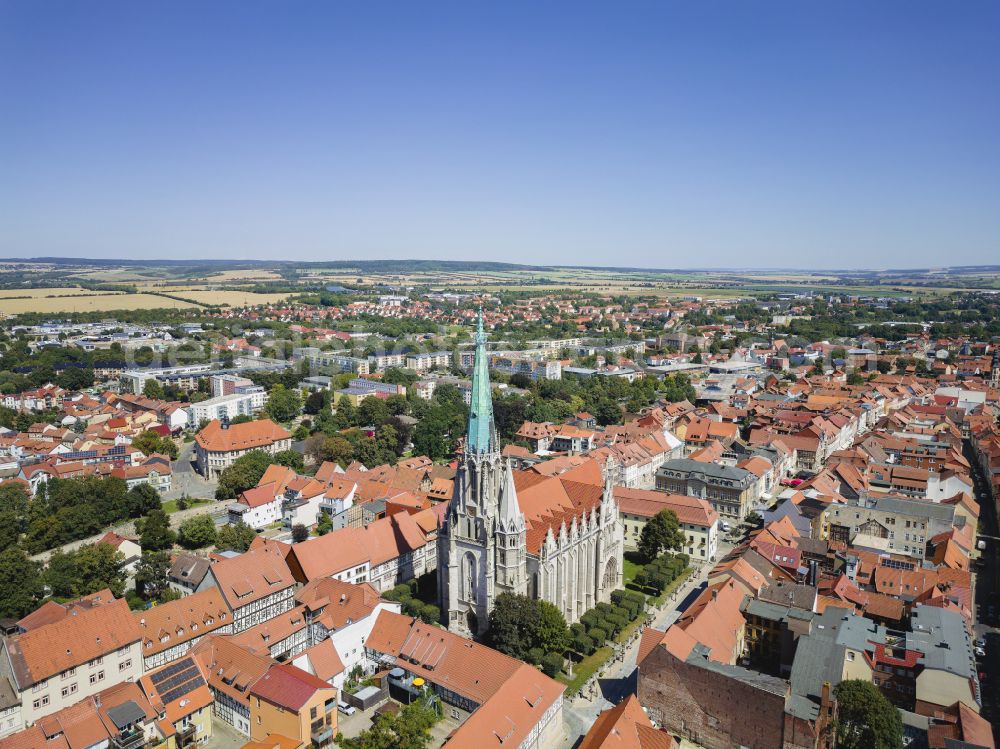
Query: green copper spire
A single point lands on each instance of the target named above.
(482, 433)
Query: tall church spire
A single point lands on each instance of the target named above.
(481, 435)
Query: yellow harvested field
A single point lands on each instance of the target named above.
(232, 298)
(243, 275)
(90, 303)
(40, 293)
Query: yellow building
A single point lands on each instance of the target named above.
(179, 691)
(293, 703)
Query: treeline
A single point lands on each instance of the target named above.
(65, 510)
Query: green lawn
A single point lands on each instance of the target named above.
(585, 669)
(678, 581)
(170, 506)
(630, 568)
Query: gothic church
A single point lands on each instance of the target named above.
(555, 538)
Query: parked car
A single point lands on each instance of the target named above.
(980, 643)
(980, 652)
(346, 709)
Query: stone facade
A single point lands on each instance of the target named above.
(482, 545)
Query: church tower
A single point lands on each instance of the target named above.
(995, 369)
(481, 545)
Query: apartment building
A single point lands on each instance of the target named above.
(428, 361)
(60, 662)
(220, 443)
(250, 402)
(888, 524)
(171, 629)
(291, 702)
(256, 586)
(699, 522)
(731, 491)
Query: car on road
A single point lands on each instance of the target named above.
(980, 643)
(980, 652)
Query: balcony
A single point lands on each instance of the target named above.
(186, 735)
(129, 740)
(322, 736)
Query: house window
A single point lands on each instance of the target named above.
(125, 665)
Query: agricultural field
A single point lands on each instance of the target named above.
(95, 302)
(49, 292)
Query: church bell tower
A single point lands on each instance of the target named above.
(481, 545)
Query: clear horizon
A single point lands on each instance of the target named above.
(762, 135)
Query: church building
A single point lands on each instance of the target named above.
(555, 538)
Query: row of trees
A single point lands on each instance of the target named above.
(411, 604)
(65, 510)
(605, 621)
(658, 574)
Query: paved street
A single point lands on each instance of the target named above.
(987, 594)
(618, 680)
(186, 481)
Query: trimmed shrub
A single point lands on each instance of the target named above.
(583, 644)
(577, 629)
(535, 656)
(430, 613)
(552, 663)
(598, 635)
(404, 589)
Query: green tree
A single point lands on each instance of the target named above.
(196, 532)
(519, 623)
(661, 533)
(409, 729)
(151, 574)
(60, 574)
(290, 459)
(347, 414)
(372, 411)
(20, 583)
(245, 473)
(155, 533)
(865, 718)
(141, 499)
(314, 403)
(150, 442)
(283, 404)
(152, 389)
(324, 525)
(235, 537)
(99, 566)
(552, 663)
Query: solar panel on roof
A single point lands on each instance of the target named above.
(175, 668)
(178, 692)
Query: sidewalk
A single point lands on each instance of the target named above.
(613, 682)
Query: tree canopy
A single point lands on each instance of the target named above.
(662, 532)
(519, 623)
(245, 473)
(865, 718)
(235, 537)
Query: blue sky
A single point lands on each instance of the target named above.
(658, 134)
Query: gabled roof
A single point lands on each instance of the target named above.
(188, 618)
(625, 726)
(251, 576)
(288, 686)
(76, 639)
(245, 436)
